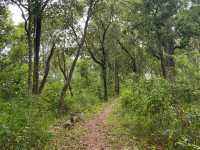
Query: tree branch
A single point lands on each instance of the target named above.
(93, 56)
(47, 67)
(61, 69)
(125, 50)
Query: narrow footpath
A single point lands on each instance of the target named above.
(93, 134)
(96, 129)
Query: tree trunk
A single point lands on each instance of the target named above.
(62, 108)
(162, 64)
(104, 77)
(134, 66)
(170, 62)
(116, 78)
(38, 24)
(72, 68)
(30, 53)
(47, 67)
(70, 90)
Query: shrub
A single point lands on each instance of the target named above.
(24, 124)
(149, 110)
(13, 81)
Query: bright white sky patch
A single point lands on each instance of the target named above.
(15, 14)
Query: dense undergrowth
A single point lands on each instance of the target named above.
(25, 123)
(159, 115)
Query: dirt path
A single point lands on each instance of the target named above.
(92, 134)
(95, 137)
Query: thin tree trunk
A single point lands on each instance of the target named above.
(104, 76)
(38, 25)
(68, 81)
(30, 53)
(134, 66)
(47, 67)
(72, 68)
(62, 107)
(116, 78)
(170, 63)
(162, 63)
(70, 90)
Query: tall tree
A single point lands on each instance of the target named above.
(102, 23)
(79, 38)
(32, 12)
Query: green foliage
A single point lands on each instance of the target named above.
(18, 51)
(25, 120)
(24, 124)
(82, 101)
(158, 38)
(86, 88)
(13, 69)
(51, 95)
(5, 26)
(12, 81)
(187, 70)
(149, 112)
(184, 144)
(153, 96)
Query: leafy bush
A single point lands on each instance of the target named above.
(13, 81)
(82, 101)
(86, 88)
(24, 124)
(149, 110)
(51, 95)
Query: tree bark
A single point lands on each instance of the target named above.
(162, 64)
(62, 108)
(104, 76)
(30, 52)
(47, 68)
(104, 62)
(38, 25)
(116, 78)
(170, 62)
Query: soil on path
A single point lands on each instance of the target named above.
(95, 137)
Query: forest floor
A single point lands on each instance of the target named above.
(93, 133)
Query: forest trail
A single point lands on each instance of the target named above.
(93, 133)
(95, 137)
